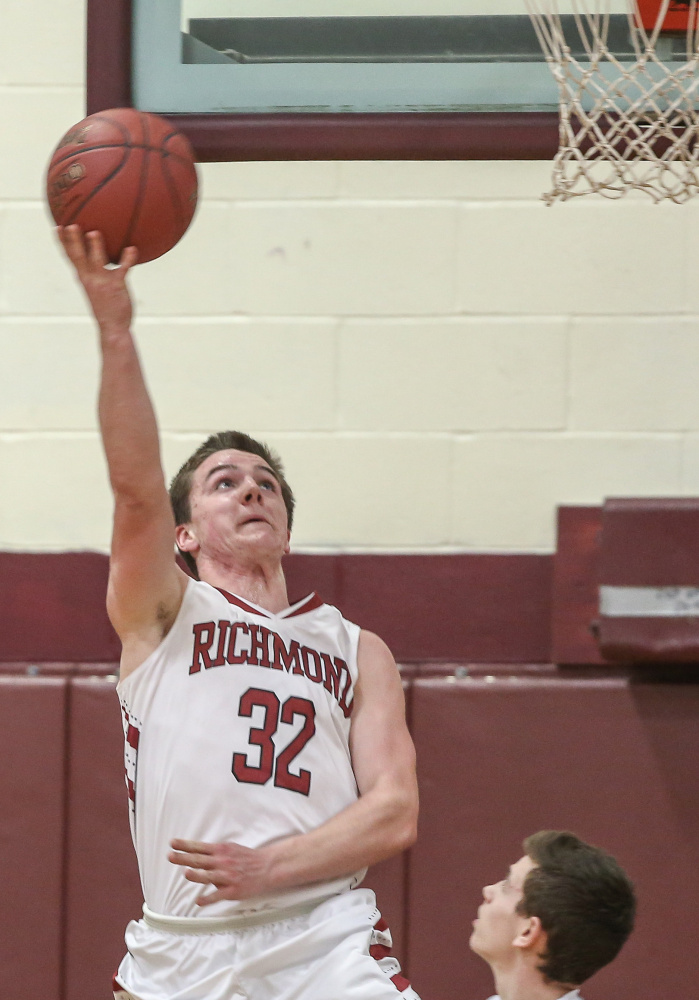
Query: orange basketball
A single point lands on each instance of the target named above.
(128, 174)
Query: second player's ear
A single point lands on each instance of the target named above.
(287, 547)
(530, 934)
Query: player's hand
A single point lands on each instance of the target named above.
(236, 872)
(105, 287)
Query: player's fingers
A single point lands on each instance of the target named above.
(129, 257)
(212, 897)
(192, 846)
(205, 878)
(226, 892)
(72, 241)
(96, 251)
(204, 861)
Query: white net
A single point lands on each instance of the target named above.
(625, 123)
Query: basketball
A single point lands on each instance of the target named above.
(128, 174)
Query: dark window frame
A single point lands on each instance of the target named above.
(526, 135)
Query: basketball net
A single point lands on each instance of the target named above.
(623, 125)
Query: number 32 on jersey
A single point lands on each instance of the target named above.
(272, 762)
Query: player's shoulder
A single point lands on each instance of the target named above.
(371, 644)
(375, 661)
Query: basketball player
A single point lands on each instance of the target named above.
(268, 759)
(563, 911)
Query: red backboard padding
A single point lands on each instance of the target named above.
(676, 19)
(103, 890)
(614, 762)
(32, 747)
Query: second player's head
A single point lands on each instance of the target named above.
(251, 473)
(564, 911)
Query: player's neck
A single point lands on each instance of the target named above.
(258, 582)
(520, 982)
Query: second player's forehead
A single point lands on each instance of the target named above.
(233, 460)
(519, 871)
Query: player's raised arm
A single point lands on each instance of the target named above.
(381, 823)
(145, 585)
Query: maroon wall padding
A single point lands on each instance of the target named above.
(650, 542)
(103, 889)
(307, 574)
(498, 760)
(479, 608)
(32, 745)
(575, 594)
(53, 607)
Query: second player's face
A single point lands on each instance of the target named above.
(237, 507)
(498, 922)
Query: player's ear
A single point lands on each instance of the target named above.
(185, 538)
(287, 547)
(530, 934)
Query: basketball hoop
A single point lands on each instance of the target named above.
(624, 125)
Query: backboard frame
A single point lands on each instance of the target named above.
(414, 135)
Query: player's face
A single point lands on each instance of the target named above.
(237, 507)
(498, 922)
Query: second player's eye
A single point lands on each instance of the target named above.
(268, 484)
(225, 482)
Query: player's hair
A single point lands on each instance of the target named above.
(181, 485)
(584, 900)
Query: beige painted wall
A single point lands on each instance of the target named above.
(440, 358)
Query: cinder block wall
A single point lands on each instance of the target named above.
(440, 358)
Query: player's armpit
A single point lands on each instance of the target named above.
(146, 587)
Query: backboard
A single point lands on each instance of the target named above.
(330, 79)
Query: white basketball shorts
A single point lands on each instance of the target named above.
(338, 951)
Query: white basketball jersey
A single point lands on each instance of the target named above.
(237, 729)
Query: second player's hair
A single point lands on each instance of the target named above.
(584, 900)
(181, 485)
